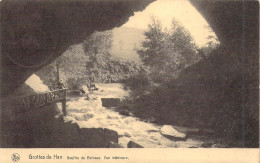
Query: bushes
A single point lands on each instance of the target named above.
(76, 83)
(139, 83)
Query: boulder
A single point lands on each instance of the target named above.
(132, 144)
(127, 134)
(69, 134)
(150, 120)
(93, 87)
(85, 89)
(124, 112)
(114, 145)
(169, 132)
(110, 102)
(111, 135)
(131, 114)
(207, 145)
(187, 130)
(97, 137)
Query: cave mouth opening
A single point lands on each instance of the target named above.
(122, 43)
(112, 55)
(196, 80)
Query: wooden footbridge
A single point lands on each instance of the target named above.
(42, 99)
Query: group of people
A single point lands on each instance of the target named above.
(61, 85)
(91, 86)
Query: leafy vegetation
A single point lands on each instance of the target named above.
(168, 50)
(91, 58)
(157, 93)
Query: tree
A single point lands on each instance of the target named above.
(184, 46)
(167, 50)
(152, 52)
(212, 43)
(97, 47)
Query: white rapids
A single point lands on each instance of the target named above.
(91, 114)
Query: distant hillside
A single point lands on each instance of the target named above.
(76, 67)
(125, 41)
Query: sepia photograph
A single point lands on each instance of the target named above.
(128, 74)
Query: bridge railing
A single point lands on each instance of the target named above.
(42, 99)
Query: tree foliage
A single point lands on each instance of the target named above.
(211, 44)
(79, 62)
(167, 50)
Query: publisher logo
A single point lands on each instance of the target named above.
(15, 157)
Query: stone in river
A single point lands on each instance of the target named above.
(186, 130)
(132, 144)
(110, 102)
(114, 145)
(169, 132)
(124, 112)
(127, 135)
(97, 137)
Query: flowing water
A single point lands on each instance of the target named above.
(91, 114)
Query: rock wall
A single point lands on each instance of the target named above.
(221, 92)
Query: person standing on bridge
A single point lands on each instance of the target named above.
(61, 85)
(92, 78)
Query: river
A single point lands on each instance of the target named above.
(91, 114)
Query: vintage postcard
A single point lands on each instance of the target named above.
(86, 80)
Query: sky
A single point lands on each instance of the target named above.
(165, 10)
(129, 36)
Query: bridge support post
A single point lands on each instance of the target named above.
(64, 110)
